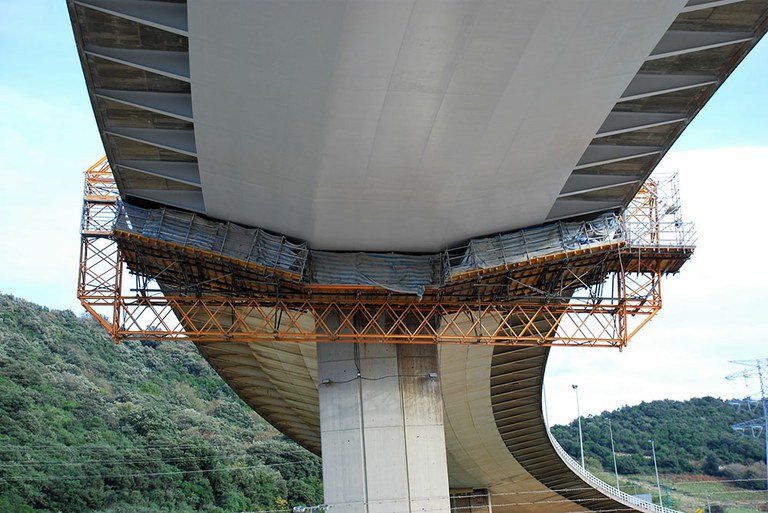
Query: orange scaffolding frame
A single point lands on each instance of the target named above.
(338, 314)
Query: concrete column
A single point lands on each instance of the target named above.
(381, 423)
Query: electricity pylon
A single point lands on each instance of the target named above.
(755, 368)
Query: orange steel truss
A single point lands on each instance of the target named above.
(135, 311)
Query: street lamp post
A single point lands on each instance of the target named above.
(578, 413)
(656, 468)
(613, 452)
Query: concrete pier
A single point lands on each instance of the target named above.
(381, 421)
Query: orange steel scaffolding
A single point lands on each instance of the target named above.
(589, 317)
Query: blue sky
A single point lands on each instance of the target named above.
(736, 115)
(714, 311)
(47, 137)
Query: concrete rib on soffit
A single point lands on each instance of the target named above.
(400, 126)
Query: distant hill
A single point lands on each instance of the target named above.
(693, 436)
(87, 425)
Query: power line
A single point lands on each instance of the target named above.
(143, 474)
(717, 481)
(725, 492)
(8, 448)
(126, 461)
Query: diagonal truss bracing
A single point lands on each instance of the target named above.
(613, 290)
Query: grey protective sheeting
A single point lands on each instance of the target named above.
(410, 274)
(524, 245)
(226, 239)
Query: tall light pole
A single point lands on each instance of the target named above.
(656, 468)
(613, 452)
(578, 413)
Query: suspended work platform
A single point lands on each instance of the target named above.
(164, 273)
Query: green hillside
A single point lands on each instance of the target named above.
(693, 436)
(86, 425)
(702, 462)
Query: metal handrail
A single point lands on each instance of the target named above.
(599, 484)
(664, 233)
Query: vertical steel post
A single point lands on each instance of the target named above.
(613, 452)
(656, 468)
(578, 413)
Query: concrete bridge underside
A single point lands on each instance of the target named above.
(495, 434)
(393, 126)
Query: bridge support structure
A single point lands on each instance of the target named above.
(378, 382)
(381, 422)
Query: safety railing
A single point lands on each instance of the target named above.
(100, 197)
(599, 484)
(665, 234)
(653, 218)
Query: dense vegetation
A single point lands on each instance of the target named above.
(89, 426)
(86, 425)
(690, 437)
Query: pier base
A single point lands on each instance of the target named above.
(381, 421)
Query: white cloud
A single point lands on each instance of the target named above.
(714, 310)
